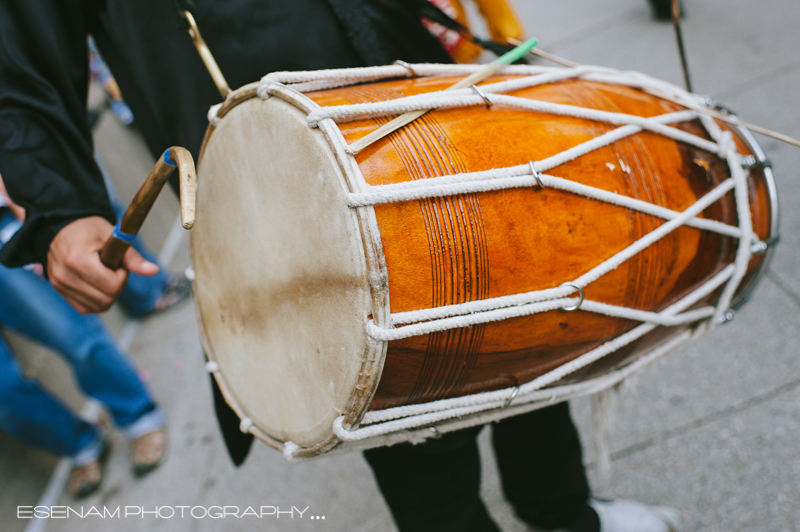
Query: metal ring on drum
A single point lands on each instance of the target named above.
(577, 305)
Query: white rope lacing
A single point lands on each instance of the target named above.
(390, 420)
(467, 314)
(506, 178)
(483, 407)
(536, 400)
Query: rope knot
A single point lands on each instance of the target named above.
(339, 430)
(377, 333)
(212, 114)
(245, 425)
(289, 450)
(317, 116)
(726, 144)
(265, 87)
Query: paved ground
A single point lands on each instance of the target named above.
(712, 430)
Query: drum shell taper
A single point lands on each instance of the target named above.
(455, 249)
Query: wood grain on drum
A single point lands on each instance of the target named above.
(454, 249)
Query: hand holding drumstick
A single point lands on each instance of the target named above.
(88, 261)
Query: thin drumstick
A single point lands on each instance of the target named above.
(206, 56)
(128, 226)
(676, 23)
(545, 55)
(472, 79)
(730, 119)
(699, 108)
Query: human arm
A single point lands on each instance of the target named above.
(46, 153)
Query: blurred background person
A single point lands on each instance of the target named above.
(30, 306)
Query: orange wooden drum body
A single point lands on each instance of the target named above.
(438, 251)
(455, 249)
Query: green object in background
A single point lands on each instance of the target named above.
(517, 53)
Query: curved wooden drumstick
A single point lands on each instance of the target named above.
(128, 226)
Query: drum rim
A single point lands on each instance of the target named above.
(374, 355)
(746, 292)
(237, 97)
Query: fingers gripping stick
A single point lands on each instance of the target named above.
(130, 223)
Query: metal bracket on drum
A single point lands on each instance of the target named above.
(711, 103)
(580, 301)
(759, 247)
(435, 433)
(407, 66)
(511, 397)
(750, 161)
(537, 175)
(722, 108)
(758, 159)
(483, 95)
(728, 316)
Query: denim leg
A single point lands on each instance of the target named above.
(31, 306)
(141, 293)
(30, 414)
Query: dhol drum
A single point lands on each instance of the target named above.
(539, 237)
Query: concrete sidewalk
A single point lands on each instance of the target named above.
(712, 430)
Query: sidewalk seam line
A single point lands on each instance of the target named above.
(703, 421)
(777, 281)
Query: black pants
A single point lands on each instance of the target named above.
(435, 486)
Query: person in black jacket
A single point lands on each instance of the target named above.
(45, 143)
(47, 160)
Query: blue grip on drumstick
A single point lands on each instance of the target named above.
(125, 237)
(168, 159)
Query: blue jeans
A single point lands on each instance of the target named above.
(32, 307)
(140, 295)
(33, 416)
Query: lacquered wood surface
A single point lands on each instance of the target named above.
(455, 249)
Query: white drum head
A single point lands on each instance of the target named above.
(281, 283)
